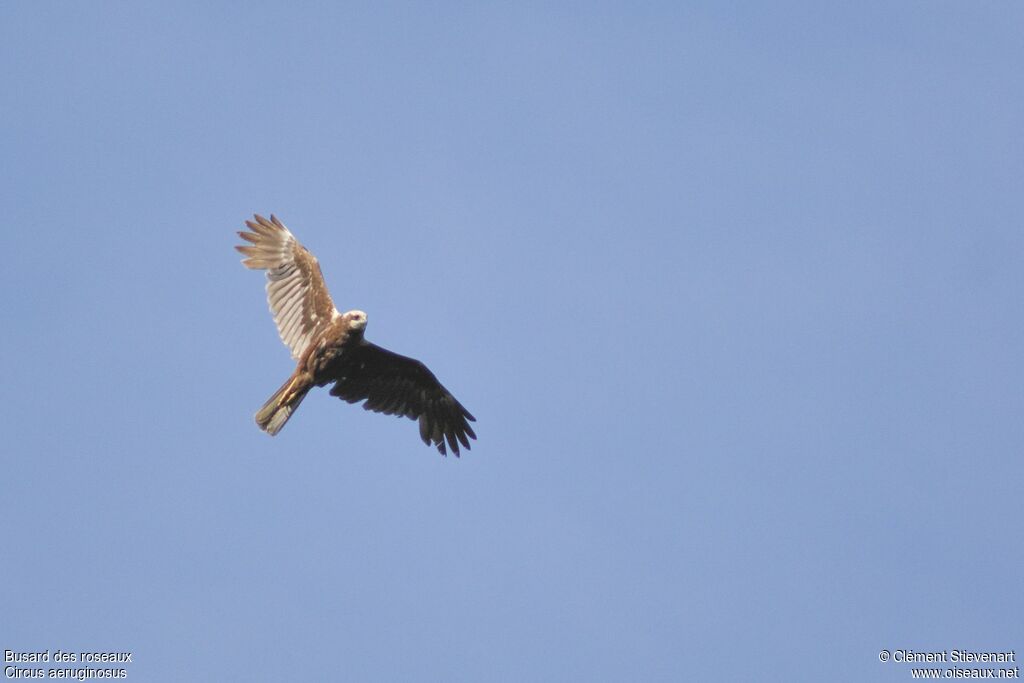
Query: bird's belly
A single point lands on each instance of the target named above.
(320, 362)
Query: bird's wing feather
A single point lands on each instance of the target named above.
(395, 385)
(296, 290)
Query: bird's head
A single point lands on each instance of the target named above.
(356, 320)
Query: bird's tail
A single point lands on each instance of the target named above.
(279, 407)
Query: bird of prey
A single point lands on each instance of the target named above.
(329, 347)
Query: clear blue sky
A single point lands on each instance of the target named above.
(734, 291)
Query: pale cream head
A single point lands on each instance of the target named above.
(356, 320)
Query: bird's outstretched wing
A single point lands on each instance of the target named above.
(396, 385)
(296, 290)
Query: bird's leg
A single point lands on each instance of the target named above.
(299, 383)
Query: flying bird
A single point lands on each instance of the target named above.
(329, 346)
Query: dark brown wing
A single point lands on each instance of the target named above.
(396, 385)
(296, 290)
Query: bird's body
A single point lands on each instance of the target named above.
(329, 346)
(313, 369)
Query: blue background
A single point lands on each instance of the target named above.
(733, 291)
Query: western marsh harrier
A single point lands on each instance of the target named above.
(329, 347)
